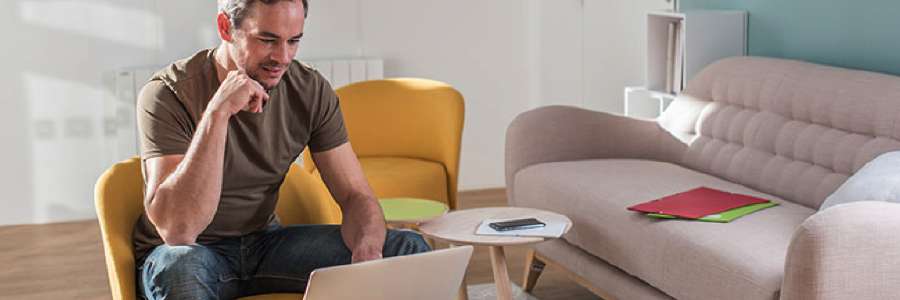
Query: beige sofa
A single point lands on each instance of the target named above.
(784, 130)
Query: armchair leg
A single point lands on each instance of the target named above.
(533, 268)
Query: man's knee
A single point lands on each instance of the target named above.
(190, 271)
(405, 242)
(174, 258)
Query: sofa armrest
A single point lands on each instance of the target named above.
(562, 133)
(849, 251)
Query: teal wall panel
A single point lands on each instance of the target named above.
(859, 34)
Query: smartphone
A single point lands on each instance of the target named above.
(517, 224)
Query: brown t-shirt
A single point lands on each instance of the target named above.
(302, 110)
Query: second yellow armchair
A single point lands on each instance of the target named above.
(407, 134)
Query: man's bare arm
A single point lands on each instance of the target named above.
(363, 228)
(183, 191)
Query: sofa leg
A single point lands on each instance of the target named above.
(533, 268)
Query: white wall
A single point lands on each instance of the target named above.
(615, 51)
(561, 52)
(483, 48)
(505, 56)
(57, 80)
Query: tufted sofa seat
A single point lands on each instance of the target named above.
(788, 131)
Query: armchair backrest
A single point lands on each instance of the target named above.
(405, 117)
(118, 197)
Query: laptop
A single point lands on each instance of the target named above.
(430, 275)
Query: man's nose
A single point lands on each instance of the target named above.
(282, 54)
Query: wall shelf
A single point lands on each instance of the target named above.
(701, 37)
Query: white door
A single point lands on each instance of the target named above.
(615, 51)
(589, 50)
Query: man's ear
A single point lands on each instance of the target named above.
(224, 26)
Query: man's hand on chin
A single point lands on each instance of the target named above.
(365, 253)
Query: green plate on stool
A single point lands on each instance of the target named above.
(411, 209)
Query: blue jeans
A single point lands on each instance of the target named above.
(277, 260)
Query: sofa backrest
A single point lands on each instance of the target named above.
(792, 129)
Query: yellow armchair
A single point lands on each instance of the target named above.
(118, 197)
(407, 134)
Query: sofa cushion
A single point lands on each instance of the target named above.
(878, 180)
(743, 259)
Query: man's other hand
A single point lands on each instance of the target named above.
(366, 253)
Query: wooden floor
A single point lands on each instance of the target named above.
(65, 261)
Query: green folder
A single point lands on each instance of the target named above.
(726, 216)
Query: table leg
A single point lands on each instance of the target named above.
(501, 274)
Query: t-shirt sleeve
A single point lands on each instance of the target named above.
(328, 129)
(164, 126)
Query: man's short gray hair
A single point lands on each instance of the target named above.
(237, 10)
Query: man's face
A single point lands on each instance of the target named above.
(267, 40)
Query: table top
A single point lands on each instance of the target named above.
(459, 226)
(411, 210)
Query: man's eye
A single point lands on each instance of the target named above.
(267, 41)
(293, 42)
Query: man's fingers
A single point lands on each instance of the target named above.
(256, 85)
(234, 76)
(256, 102)
(259, 92)
(253, 106)
(238, 81)
(265, 98)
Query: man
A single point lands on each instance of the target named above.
(219, 131)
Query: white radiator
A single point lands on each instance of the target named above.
(341, 72)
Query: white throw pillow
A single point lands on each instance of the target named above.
(878, 180)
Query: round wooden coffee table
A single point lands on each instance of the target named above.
(458, 228)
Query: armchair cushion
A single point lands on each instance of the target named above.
(743, 259)
(406, 177)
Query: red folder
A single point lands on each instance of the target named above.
(696, 203)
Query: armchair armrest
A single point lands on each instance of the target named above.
(561, 133)
(850, 251)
